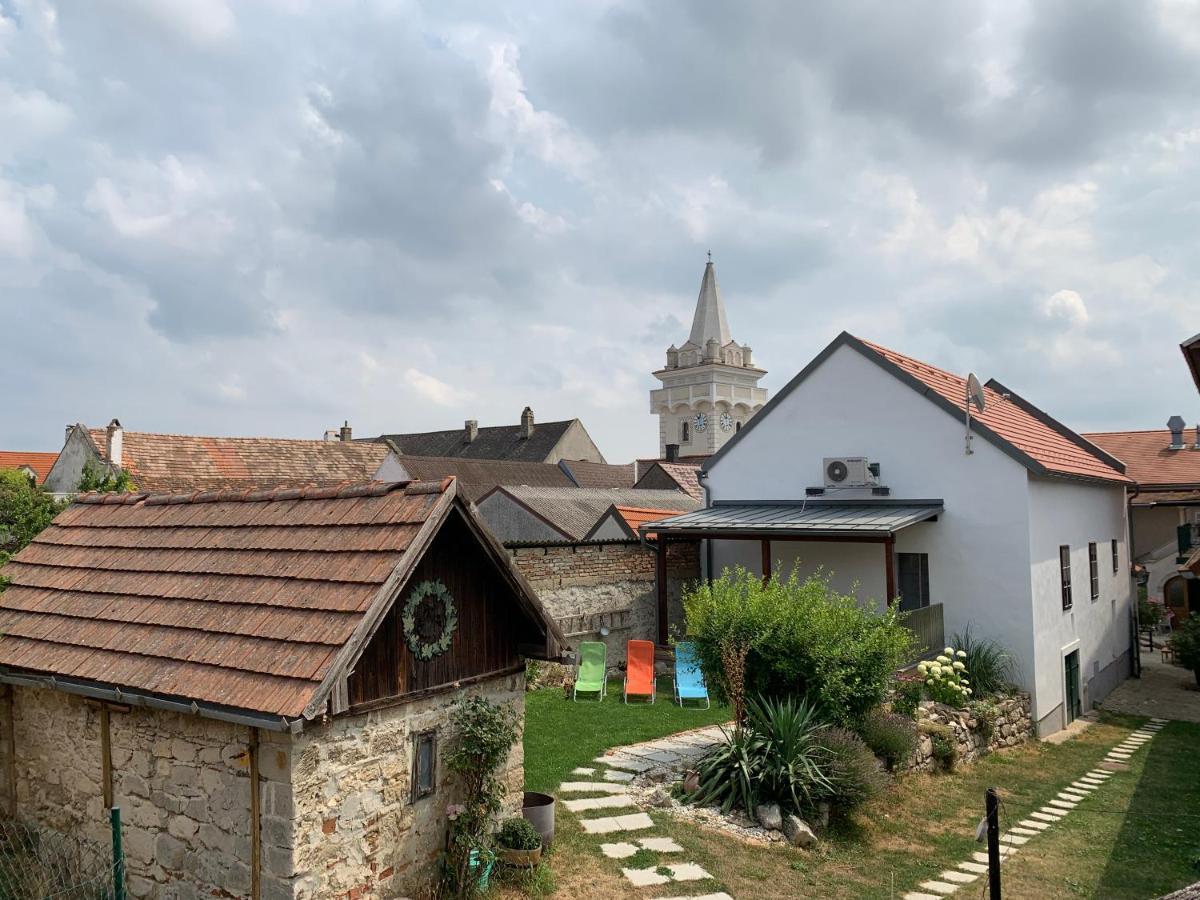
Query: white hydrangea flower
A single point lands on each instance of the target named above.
(959, 666)
(962, 654)
(943, 659)
(949, 651)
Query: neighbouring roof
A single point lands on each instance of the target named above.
(39, 463)
(686, 476)
(478, 476)
(1147, 459)
(1039, 442)
(574, 511)
(585, 473)
(176, 462)
(492, 442)
(810, 518)
(635, 517)
(237, 599)
(1191, 353)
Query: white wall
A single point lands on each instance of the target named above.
(77, 452)
(979, 547)
(1063, 512)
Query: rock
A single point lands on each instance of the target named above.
(691, 782)
(659, 798)
(823, 811)
(769, 816)
(798, 833)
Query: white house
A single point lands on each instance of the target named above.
(863, 466)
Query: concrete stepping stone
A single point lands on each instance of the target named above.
(1045, 816)
(624, 849)
(1071, 795)
(1099, 773)
(1158, 720)
(1005, 852)
(939, 887)
(628, 763)
(660, 845)
(618, 775)
(977, 868)
(1080, 787)
(583, 770)
(1112, 765)
(620, 850)
(719, 896)
(589, 803)
(1062, 804)
(1119, 754)
(1021, 831)
(609, 824)
(1015, 839)
(678, 872)
(917, 895)
(953, 877)
(1089, 780)
(598, 787)
(1034, 824)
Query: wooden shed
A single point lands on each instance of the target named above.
(259, 679)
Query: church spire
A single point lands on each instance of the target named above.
(709, 322)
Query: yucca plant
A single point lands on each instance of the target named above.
(794, 762)
(989, 665)
(729, 773)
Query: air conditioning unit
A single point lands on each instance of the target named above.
(848, 472)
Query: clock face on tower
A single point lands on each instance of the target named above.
(726, 422)
(701, 421)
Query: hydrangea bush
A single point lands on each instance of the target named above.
(946, 678)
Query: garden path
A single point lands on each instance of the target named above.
(1164, 690)
(1041, 822)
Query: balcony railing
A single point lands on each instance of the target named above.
(927, 629)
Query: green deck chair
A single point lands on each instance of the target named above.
(590, 676)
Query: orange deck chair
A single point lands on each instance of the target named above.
(639, 670)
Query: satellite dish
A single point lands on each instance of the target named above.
(975, 392)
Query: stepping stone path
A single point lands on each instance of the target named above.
(1041, 822)
(607, 789)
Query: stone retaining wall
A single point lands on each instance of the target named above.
(1013, 725)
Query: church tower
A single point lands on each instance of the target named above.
(710, 384)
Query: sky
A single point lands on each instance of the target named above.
(268, 218)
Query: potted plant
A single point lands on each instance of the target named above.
(519, 843)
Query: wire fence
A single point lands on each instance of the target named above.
(40, 863)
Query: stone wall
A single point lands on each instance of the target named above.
(584, 586)
(358, 832)
(1013, 725)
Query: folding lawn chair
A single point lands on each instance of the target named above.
(689, 680)
(590, 676)
(639, 670)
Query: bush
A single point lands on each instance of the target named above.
(853, 771)
(1186, 643)
(890, 736)
(990, 666)
(775, 757)
(945, 751)
(802, 639)
(946, 678)
(906, 696)
(517, 833)
(985, 713)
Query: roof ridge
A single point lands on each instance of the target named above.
(387, 434)
(1131, 431)
(344, 491)
(214, 437)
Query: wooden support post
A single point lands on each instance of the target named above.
(106, 772)
(660, 577)
(889, 564)
(992, 810)
(255, 821)
(766, 560)
(10, 750)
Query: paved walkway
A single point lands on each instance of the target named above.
(1040, 823)
(1163, 690)
(604, 786)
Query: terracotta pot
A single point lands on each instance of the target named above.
(522, 858)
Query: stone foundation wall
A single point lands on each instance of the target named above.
(358, 832)
(1013, 725)
(586, 586)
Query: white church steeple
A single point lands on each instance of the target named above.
(710, 384)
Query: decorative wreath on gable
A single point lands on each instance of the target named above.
(429, 620)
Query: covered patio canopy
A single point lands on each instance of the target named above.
(813, 519)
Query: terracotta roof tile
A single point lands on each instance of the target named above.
(1147, 459)
(478, 476)
(576, 510)
(39, 463)
(684, 475)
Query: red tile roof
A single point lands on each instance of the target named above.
(684, 475)
(1015, 421)
(236, 598)
(176, 462)
(1147, 459)
(635, 516)
(40, 463)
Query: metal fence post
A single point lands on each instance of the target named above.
(992, 805)
(118, 853)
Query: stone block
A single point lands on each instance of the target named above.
(169, 851)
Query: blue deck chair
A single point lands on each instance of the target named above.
(689, 680)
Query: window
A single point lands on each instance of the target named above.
(1116, 557)
(424, 779)
(1094, 570)
(685, 432)
(1064, 565)
(913, 573)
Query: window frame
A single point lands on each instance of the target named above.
(1064, 576)
(922, 563)
(1116, 556)
(1094, 570)
(420, 740)
(685, 432)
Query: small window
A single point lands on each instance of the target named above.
(1064, 565)
(685, 432)
(1116, 557)
(913, 573)
(424, 780)
(1094, 570)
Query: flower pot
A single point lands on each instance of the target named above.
(480, 868)
(526, 859)
(538, 809)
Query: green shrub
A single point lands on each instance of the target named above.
(890, 736)
(728, 773)
(906, 696)
(517, 833)
(991, 667)
(945, 750)
(803, 639)
(852, 769)
(1186, 643)
(985, 713)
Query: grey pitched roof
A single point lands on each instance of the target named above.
(812, 518)
(492, 442)
(478, 476)
(709, 321)
(576, 510)
(587, 474)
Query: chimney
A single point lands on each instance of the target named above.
(526, 423)
(1196, 446)
(114, 443)
(1176, 424)
(672, 452)
(470, 430)
(345, 432)
(331, 434)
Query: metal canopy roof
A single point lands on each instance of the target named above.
(814, 518)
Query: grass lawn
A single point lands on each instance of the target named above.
(1136, 837)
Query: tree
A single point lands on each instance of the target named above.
(1186, 643)
(103, 481)
(25, 509)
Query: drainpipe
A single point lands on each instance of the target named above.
(702, 477)
(1137, 641)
